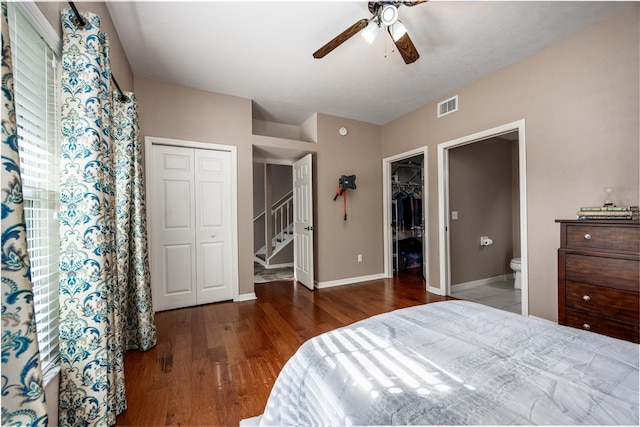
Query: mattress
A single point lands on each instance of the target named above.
(456, 363)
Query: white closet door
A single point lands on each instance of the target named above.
(173, 256)
(213, 225)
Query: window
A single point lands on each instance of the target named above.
(37, 116)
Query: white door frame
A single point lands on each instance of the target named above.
(150, 141)
(443, 203)
(387, 206)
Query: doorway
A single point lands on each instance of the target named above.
(404, 217)
(407, 227)
(482, 205)
(286, 234)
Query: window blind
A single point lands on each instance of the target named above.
(37, 118)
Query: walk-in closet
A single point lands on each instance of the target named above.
(407, 218)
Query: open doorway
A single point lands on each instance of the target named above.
(407, 227)
(482, 200)
(281, 250)
(404, 201)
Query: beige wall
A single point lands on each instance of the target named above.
(339, 242)
(178, 112)
(119, 63)
(579, 99)
(481, 192)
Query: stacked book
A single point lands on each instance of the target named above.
(609, 212)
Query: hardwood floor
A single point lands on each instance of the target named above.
(216, 364)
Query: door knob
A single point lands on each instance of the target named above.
(213, 235)
(308, 228)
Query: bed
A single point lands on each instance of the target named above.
(456, 363)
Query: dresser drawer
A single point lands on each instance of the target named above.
(605, 302)
(603, 238)
(600, 325)
(617, 273)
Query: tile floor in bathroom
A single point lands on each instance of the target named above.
(499, 294)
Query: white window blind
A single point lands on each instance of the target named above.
(37, 118)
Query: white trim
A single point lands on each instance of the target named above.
(386, 210)
(233, 150)
(481, 282)
(247, 297)
(271, 266)
(349, 281)
(545, 320)
(41, 25)
(443, 202)
(436, 291)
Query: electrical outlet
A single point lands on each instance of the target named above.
(359, 257)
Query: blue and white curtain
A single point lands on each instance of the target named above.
(105, 296)
(23, 401)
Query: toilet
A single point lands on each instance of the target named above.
(516, 266)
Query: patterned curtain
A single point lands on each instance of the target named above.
(139, 331)
(105, 297)
(23, 401)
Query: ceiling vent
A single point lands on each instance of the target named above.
(448, 106)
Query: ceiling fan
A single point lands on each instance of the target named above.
(384, 13)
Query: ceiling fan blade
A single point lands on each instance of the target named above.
(340, 38)
(405, 47)
(414, 3)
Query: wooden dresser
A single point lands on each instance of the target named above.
(599, 276)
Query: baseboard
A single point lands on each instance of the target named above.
(481, 282)
(271, 266)
(247, 297)
(349, 281)
(436, 291)
(543, 319)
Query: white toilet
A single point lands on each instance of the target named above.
(516, 266)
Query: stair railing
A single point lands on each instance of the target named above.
(282, 214)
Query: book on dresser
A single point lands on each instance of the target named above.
(599, 276)
(609, 212)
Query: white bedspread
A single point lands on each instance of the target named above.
(454, 363)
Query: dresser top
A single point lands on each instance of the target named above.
(616, 222)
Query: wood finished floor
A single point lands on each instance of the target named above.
(216, 364)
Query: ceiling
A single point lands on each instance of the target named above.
(263, 50)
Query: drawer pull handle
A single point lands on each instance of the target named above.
(587, 236)
(586, 326)
(586, 298)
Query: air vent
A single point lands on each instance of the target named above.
(447, 107)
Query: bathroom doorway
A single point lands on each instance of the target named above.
(483, 219)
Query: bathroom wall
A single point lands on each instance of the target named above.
(481, 191)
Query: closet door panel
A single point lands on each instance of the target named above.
(177, 269)
(213, 221)
(173, 257)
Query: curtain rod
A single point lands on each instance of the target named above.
(81, 24)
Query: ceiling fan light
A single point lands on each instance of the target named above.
(370, 32)
(398, 30)
(389, 14)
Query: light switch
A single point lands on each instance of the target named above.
(454, 214)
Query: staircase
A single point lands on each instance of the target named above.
(281, 232)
